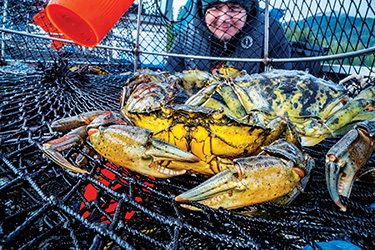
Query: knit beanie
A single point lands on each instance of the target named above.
(248, 5)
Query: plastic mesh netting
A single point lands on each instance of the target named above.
(45, 207)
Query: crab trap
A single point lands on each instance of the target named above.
(45, 76)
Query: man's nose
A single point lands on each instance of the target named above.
(224, 17)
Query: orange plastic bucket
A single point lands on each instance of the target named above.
(86, 22)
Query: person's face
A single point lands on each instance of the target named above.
(225, 20)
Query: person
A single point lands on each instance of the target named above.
(233, 28)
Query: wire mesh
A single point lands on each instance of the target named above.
(313, 28)
(45, 207)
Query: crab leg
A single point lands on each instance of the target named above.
(72, 122)
(53, 148)
(353, 110)
(346, 157)
(346, 114)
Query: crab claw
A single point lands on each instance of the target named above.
(344, 160)
(258, 179)
(79, 123)
(136, 149)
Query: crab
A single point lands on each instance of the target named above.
(244, 129)
(318, 108)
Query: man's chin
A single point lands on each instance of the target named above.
(225, 36)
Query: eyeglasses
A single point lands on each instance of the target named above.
(228, 9)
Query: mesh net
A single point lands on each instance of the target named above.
(312, 28)
(45, 207)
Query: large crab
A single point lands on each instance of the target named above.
(233, 127)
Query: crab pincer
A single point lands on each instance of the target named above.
(254, 180)
(136, 149)
(112, 137)
(344, 160)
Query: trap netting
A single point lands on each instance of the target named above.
(342, 31)
(45, 207)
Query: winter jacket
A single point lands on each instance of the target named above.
(196, 39)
